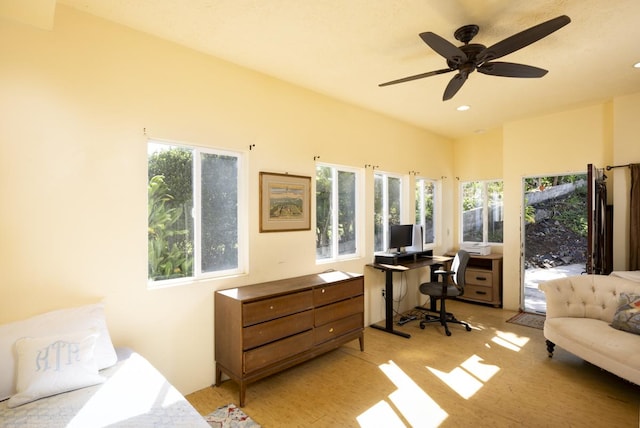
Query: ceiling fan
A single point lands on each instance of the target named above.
(470, 57)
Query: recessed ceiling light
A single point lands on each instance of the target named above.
(636, 65)
(463, 108)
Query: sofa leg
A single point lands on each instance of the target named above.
(550, 346)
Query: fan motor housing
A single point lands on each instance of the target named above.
(471, 50)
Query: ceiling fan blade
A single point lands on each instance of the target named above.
(443, 47)
(522, 39)
(510, 69)
(416, 77)
(454, 86)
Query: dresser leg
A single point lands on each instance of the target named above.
(361, 340)
(218, 376)
(243, 388)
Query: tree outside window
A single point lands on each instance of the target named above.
(425, 209)
(482, 211)
(336, 209)
(193, 200)
(387, 207)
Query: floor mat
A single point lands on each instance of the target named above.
(528, 319)
(230, 416)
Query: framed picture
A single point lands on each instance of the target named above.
(285, 202)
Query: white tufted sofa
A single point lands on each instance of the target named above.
(579, 313)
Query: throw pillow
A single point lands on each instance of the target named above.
(54, 364)
(627, 316)
(69, 320)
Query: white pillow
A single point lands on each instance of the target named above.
(54, 364)
(83, 318)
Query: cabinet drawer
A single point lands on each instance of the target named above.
(265, 332)
(277, 351)
(478, 292)
(478, 277)
(339, 310)
(276, 307)
(336, 328)
(337, 292)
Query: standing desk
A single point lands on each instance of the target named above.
(415, 263)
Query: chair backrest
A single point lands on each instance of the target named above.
(459, 266)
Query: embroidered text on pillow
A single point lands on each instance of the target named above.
(56, 355)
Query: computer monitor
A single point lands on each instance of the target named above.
(400, 237)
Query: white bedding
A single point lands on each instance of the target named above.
(135, 394)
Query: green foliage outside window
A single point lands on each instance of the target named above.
(169, 255)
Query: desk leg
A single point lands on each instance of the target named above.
(388, 307)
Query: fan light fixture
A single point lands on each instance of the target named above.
(463, 108)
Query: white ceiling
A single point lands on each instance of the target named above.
(345, 48)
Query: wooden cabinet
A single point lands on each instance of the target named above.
(483, 280)
(262, 329)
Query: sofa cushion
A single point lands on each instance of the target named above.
(627, 316)
(586, 296)
(596, 342)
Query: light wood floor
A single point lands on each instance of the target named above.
(497, 375)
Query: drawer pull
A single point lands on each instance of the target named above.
(481, 278)
(481, 292)
(271, 307)
(331, 330)
(323, 290)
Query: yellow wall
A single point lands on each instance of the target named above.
(75, 101)
(556, 144)
(561, 143)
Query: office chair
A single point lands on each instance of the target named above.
(443, 290)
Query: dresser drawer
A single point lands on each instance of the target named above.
(337, 292)
(265, 332)
(478, 292)
(276, 307)
(277, 351)
(478, 277)
(337, 328)
(338, 310)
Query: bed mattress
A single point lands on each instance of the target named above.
(135, 394)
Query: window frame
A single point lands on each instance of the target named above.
(485, 211)
(196, 213)
(334, 211)
(436, 211)
(385, 206)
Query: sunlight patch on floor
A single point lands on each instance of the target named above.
(380, 415)
(510, 340)
(413, 403)
(469, 377)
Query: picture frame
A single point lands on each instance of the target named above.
(285, 202)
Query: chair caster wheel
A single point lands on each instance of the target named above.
(468, 328)
(421, 326)
(448, 333)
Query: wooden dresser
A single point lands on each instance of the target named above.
(264, 328)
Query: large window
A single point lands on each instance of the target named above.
(426, 209)
(336, 212)
(386, 210)
(482, 211)
(194, 200)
